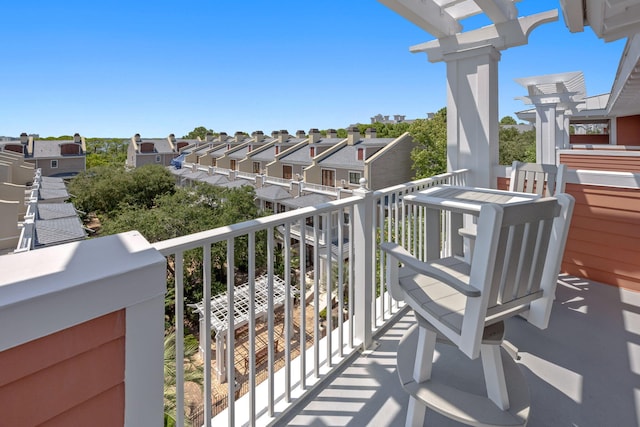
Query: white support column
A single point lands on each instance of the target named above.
(472, 113)
(364, 263)
(546, 133)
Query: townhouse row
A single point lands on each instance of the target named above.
(288, 171)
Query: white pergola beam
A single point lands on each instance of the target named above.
(426, 14)
(501, 36)
(573, 15)
(498, 10)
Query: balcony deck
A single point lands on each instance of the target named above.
(582, 371)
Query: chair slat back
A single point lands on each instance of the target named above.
(526, 239)
(543, 179)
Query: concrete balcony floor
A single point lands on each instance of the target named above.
(584, 370)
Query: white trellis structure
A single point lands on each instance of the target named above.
(241, 313)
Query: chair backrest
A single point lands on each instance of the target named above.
(515, 265)
(543, 179)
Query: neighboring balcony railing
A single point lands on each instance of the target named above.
(332, 304)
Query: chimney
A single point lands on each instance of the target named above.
(301, 134)
(283, 135)
(258, 135)
(370, 133)
(172, 138)
(223, 136)
(24, 138)
(137, 138)
(239, 136)
(274, 134)
(208, 137)
(314, 135)
(353, 135)
(331, 133)
(76, 138)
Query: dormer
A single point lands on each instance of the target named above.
(147, 147)
(70, 149)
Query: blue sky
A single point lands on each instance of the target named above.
(116, 68)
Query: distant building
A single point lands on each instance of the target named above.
(55, 158)
(144, 151)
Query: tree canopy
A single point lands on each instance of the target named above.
(199, 131)
(508, 120)
(430, 156)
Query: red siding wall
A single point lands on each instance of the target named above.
(594, 138)
(72, 377)
(608, 162)
(604, 235)
(628, 132)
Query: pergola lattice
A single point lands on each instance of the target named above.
(241, 314)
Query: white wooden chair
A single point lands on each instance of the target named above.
(519, 250)
(546, 180)
(543, 179)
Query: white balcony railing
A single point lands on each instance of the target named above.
(304, 353)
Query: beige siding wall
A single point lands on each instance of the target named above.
(66, 165)
(391, 167)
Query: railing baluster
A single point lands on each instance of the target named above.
(328, 286)
(340, 285)
(270, 315)
(303, 303)
(179, 325)
(316, 297)
(206, 296)
(287, 312)
(231, 339)
(252, 328)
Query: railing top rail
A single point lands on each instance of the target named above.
(420, 182)
(191, 241)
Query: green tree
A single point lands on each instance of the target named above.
(515, 145)
(103, 189)
(430, 156)
(199, 131)
(508, 120)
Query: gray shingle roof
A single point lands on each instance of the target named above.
(56, 231)
(215, 179)
(47, 211)
(302, 155)
(46, 148)
(52, 194)
(346, 157)
(304, 201)
(237, 183)
(272, 193)
(160, 145)
(52, 183)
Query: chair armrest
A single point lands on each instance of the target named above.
(402, 255)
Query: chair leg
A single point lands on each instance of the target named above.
(494, 375)
(424, 354)
(416, 412)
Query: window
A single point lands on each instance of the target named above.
(312, 151)
(54, 164)
(158, 158)
(287, 171)
(256, 167)
(277, 149)
(328, 177)
(360, 153)
(232, 165)
(354, 178)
